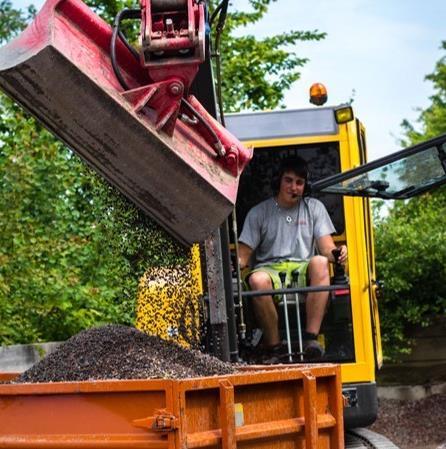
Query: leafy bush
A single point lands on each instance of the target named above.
(411, 260)
(72, 248)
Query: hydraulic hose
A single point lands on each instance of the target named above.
(124, 14)
(218, 146)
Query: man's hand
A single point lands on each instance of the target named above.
(326, 245)
(343, 255)
(244, 252)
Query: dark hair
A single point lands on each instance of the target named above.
(295, 164)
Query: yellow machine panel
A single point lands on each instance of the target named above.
(169, 302)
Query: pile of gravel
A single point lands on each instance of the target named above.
(413, 424)
(121, 352)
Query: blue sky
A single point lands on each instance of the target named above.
(381, 49)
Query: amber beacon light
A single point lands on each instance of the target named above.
(318, 94)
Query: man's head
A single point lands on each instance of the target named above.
(293, 175)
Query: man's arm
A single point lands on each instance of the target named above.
(326, 245)
(244, 254)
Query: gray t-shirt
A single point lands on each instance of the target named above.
(277, 233)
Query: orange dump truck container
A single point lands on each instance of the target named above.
(292, 407)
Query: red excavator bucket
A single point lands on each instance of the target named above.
(59, 69)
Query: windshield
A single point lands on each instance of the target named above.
(410, 174)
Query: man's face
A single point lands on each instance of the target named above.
(291, 188)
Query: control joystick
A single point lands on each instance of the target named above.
(339, 277)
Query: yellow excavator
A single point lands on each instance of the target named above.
(144, 117)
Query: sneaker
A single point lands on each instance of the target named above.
(312, 350)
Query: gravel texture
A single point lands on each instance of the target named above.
(121, 352)
(413, 424)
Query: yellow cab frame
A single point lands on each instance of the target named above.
(273, 131)
(333, 143)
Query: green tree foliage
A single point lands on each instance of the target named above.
(12, 21)
(411, 241)
(411, 260)
(257, 72)
(72, 248)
